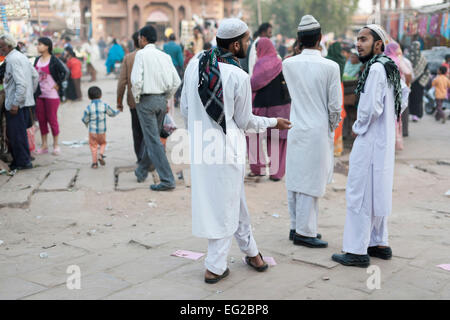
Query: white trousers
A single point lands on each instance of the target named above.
(363, 229)
(216, 259)
(303, 210)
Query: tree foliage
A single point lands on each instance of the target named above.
(333, 15)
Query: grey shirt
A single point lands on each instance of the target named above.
(20, 82)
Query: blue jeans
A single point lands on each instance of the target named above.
(151, 111)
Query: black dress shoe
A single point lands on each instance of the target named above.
(350, 259)
(161, 187)
(382, 253)
(309, 242)
(292, 232)
(14, 167)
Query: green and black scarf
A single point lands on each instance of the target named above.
(210, 83)
(393, 79)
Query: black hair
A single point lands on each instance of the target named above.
(198, 28)
(264, 27)
(135, 38)
(172, 37)
(225, 43)
(67, 38)
(94, 93)
(149, 33)
(376, 37)
(71, 52)
(207, 46)
(443, 69)
(46, 42)
(447, 56)
(308, 39)
(347, 49)
(114, 41)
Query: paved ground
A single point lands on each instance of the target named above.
(121, 235)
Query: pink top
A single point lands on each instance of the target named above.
(46, 81)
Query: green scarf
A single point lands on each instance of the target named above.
(393, 79)
(334, 53)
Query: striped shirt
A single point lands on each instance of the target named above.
(94, 116)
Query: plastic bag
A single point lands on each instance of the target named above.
(169, 124)
(30, 133)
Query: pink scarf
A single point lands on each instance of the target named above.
(267, 67)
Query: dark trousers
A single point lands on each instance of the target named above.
(138, 137)
(439, 111)
(405, 121)
(151, 111)
(16, 131)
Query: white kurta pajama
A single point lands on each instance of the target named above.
(219, 210)
(315, 89)
(371, 167)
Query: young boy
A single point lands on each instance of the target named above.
(441, 83)
(95, 119)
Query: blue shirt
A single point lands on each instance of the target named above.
(95, 116)
(174, 51)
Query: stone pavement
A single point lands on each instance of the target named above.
(121, 235)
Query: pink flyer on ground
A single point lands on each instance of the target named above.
(188, 254)
(444, 266)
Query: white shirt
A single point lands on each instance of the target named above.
(217, 186)
(373, 151)
(315, 88)
(153, 73)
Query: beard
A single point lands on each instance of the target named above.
(366, 58)
(241, 53)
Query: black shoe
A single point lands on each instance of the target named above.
(259, 269)
(274, 179)
(218, 278)
(14, 167)
(160, 187)
(382, 253)
(350, 259)
(292, 232)
(309, 242)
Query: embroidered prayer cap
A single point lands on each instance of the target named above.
(379, 31)
(308, 23)
(231, 28)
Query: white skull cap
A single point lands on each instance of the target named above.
(379, 31)
(231, 28)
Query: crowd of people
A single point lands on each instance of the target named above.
(261, 91)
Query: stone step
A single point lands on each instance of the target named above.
(16, 193)
(59, 180)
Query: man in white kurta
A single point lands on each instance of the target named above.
(219, 209)
(371, 166)
(315, 90)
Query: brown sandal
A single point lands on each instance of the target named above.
(218, 278)
(259, 269)
(94, 165)
(102, 160)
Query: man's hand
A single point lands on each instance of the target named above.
(283, 124)
(14, 110)
(354, 135)
(120, 107)
(56, 87)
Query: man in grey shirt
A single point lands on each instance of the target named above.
(20, 83)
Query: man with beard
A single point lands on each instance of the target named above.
(370, 178)
(217, 101)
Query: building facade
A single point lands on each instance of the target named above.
(120, 18)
